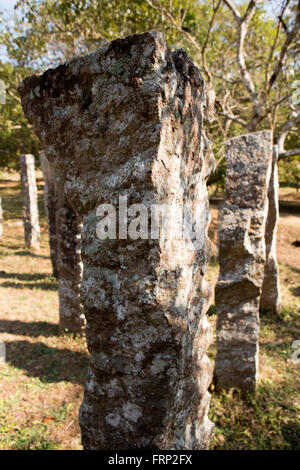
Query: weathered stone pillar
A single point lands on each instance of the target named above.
(30, 205)
(50, 201)
(270, 297)
(64, 227)
(242, 257)
(127, 121)
(69, 225)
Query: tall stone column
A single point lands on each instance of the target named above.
(270, 300)
(30, 205)
(64, 227)
(69, 226)
(125, 126)
(242, 257)
(50, 202)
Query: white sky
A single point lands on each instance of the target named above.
(7, 4)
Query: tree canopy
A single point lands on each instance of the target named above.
(249, 50)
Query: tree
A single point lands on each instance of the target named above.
(259, 62)
(16, 135)
(251, 58)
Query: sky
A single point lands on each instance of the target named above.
(8, 4)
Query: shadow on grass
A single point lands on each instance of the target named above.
(29, 253)
(291, 268)
(47, 284)
(37, 285)
(24, 276)
(295, 291)
(50, 365)
(13, 202)
(33, 329)
(291, 434)
(12, 250)
(280, 320)
(280, 348)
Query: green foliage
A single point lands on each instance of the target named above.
(16, 135)
(49, 31)
(44, 33)
(289, 171)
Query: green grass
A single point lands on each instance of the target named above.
(263, 420)
(14, 436)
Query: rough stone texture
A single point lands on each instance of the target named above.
(30, 206)
(270, 299)
(1, 220)
(69, 226)
(50, 201)
(64, 227)
(242, 257)
(127, 120)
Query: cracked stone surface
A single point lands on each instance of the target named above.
(69, 264)
(270, 300)
(64, 227)
(30, 205)
(242, 257)
(128, 120)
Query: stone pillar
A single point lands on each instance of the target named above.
(125, 125)
(64, 227)
(270, 297)
(69, 225)
(50, 201)
(242, 257)
(30, 205)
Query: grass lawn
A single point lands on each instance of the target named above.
(42, 380)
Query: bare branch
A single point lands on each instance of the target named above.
(233, 118)
(289, 153)
(15, 97)
(157, 5)
(168, 15)
(285, 130)
(207, 38)
(233, 9)
(284, 50)
(243, 25)
(271, 53)
(243, 29)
